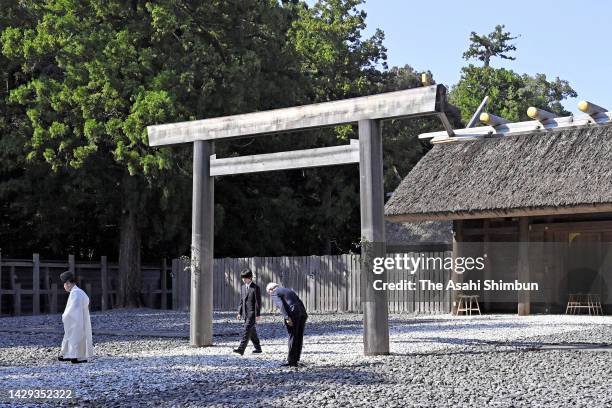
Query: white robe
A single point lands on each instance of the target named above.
(77, 342)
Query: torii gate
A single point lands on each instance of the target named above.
(367, 111)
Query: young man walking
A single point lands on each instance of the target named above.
(250, 307)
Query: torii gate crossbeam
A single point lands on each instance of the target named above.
(367, 111)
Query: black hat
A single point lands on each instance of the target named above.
(246, 273)
(67, 276)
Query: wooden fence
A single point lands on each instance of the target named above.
(324, 283)
(33, 286)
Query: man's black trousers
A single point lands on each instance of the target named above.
(250, 332)
(296, 339)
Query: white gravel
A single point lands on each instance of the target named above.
(493, 360)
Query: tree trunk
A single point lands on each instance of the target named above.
(130, 277)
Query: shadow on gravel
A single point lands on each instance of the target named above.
(251, 385)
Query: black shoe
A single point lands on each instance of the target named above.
(77, 361)
(238, 351)
(289, 365)
(257, 351)
(60, 358)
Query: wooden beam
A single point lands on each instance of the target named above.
(476, 116)
(324, 156)
(516, 212)
(446, 123)
(410, 102)
(375, 306)
(490, 230)
(584, 226)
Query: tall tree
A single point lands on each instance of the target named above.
(510, 94)
(494, 44)
(98, 72)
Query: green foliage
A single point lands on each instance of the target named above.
(510, 94)
(494, 44)
(86, 79)
(334, 58)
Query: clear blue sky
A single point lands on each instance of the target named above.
(564, 38)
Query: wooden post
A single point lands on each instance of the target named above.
(71, 267)
(185, 292)
(36, 284)
(53, 299)
(486, 238)
(371, 191)
(175, 268)
(202, 235)
(104, 282)
(164, 285)
(150, 295)
(89, 291)
(47, 282)
(0, 281)
(17, 299)
(457, 250)
(13, 279)
(524, 302)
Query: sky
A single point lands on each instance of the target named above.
(563, 38)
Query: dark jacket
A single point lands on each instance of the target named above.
(288, 303)
(250, 300)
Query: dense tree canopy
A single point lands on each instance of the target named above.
(84, 79)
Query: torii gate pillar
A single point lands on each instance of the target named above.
(371, 192)
(202, 238)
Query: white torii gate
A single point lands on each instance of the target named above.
(367, 111)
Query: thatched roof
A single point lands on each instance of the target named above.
(419, 232)
(566, 170)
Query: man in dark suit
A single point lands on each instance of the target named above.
(250, 306)
(294, 313)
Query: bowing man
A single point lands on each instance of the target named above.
(294, 313)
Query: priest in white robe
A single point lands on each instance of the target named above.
(77, 345)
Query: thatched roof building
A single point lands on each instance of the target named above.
(545, 172)
(536, 204)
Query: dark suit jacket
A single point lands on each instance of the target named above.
(288, 303)
(250, 301)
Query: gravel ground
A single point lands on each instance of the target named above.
(493, 360)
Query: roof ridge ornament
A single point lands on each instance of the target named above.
(492, 120)
(590, 108)
(544, 121)
(540, 115)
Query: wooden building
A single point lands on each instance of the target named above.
(538, 202)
